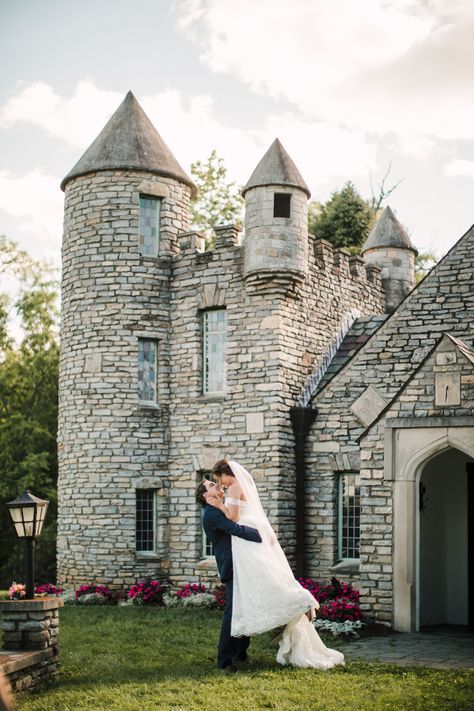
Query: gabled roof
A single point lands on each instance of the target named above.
(388, 232)
(359, 333)
(276, 168)
(460, 345)
(129, 141)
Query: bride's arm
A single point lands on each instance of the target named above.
(231, 511)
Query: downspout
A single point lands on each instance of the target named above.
(301, 418)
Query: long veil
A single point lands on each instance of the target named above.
(255, 508)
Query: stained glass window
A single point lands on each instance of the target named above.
(149, 230)
(147, 381)
(349, 515)
(145, 520)
(214, 350)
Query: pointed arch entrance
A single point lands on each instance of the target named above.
(425, 455)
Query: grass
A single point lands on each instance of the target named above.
(137, 659)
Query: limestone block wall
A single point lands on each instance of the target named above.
(397, 271)
(109, 445)
(442, 303)
(275, 338)
(416, 400)
(275, 244)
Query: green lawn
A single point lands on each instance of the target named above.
(135, 659)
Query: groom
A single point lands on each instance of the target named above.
(219, 530)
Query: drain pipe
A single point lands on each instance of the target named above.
(301, 418)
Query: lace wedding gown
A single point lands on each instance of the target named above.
(266, 594)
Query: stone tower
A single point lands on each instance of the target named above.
(390, 248)
(125, 202)
(276, 220)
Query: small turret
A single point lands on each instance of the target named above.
(390, 249)
(276, 220)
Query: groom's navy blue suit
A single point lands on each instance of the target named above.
(219, 530)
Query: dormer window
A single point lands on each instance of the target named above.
(149, 228)
(281, 205)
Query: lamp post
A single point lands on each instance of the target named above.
(28, 513)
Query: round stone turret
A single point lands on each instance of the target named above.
(276, 220)
(389, 247)
(126, 200)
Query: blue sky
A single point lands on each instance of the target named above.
(349, 88)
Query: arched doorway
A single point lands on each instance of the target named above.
(444, 511)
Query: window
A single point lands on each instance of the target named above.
(281, 205)
(147, 380)
(214, 350)
(206, 545)
(149, 228)
(349, 516)
(145, 520)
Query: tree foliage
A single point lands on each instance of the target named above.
(28, 404)
(218, 201)
(345, 219)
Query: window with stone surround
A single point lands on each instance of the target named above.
(145, 520)
(149, 226)
(349, 516)
(147, 366)
(214, 330)
(281, 205)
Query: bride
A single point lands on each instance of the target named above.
(266, 593)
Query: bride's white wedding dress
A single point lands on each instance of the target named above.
(266, 594)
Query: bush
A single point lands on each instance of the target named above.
(93, 595)
(149, 592)
(339, 602)
(196, 595)
(48, 589)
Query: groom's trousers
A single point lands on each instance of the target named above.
(230, 648)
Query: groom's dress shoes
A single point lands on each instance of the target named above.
(231, 669)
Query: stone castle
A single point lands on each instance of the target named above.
(345, 391)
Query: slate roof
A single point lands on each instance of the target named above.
(129, 141)
(276, 168)
(358, 334)
(388, 232)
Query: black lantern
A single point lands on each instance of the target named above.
(28, 513)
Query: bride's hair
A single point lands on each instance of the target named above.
(221, 467)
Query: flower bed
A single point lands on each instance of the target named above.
(94, 595)
(339, 610)
(149, 592)
(196, 595)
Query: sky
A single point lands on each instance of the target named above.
(350, 88)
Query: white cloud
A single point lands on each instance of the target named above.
(36, 203)
(381, 66)
(459, 168)
(323, 152)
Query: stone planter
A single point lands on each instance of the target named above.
(30, 653)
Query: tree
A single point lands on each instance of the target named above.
(424, 263)
(28, 405)
(218, 201)
(345, 219)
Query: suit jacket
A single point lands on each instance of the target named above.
(219, 530)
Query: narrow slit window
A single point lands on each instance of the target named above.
(349, 516)
(149, 226)
(281, 205)
(147, 370)
(214, 326)
(145, 520)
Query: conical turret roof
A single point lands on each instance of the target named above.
(388, 232)
(276, 168)
(129, 141)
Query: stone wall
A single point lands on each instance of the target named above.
(276, 336)
(442, 303)
(108, 444)
(30, 656)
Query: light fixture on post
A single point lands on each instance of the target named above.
(28, 513)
